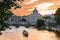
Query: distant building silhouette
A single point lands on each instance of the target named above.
(25, 20)
(30, 19)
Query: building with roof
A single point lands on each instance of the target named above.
(26, 20)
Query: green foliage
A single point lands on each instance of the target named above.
(57, 33)
(57, 16)
(27, 26)
(49, 29)
(5, 13)
(40, 22)
(41, 28)
(16, 26)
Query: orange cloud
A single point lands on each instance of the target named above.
(29, 5)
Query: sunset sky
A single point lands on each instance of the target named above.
(43, 6)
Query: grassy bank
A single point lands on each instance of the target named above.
(49, 29)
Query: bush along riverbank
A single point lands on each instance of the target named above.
(49, 29)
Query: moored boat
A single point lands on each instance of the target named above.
(25, 33)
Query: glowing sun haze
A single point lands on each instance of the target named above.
(43, 6)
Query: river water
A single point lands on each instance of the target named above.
(34, 34)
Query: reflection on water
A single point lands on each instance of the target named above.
(16, 34)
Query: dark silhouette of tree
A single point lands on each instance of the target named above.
(57, 16)
(5, 13)
(40, 22)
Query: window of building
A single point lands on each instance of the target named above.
(23, 19)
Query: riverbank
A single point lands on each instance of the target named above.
(34, 34)
(50, 29)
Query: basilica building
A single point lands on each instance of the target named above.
(26, 20)
(33, 17)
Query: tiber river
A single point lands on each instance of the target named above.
(34, 34)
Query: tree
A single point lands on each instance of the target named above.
(57, 16)
(40, 22)
(5, 13)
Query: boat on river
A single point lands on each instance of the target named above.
(25, 33)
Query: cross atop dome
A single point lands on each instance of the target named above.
(35, 11)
